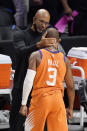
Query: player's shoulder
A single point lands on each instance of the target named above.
(35, 54)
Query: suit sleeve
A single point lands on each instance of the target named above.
(20, 45)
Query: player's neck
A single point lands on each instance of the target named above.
(51, 48)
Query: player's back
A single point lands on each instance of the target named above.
(50, 73)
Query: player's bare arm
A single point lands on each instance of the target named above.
(70, 89)
(34, 61)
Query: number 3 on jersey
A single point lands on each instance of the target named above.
(53, 76)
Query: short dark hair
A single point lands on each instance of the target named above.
(52, 33)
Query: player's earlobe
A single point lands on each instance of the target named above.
(59, 40)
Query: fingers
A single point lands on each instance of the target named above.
(50, 40)
(23, 110)
(44, 35)
(23, 113)
(69, 114)
(46, 42)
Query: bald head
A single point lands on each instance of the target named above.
(52, 33)
(41, 20)
(42, 13)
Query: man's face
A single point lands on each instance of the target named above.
(41, 22)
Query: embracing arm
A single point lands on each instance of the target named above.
(20, 45)
(70, 89)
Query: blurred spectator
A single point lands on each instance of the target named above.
(80, 21)
(62, 24)
(27, 4)
(60, 8)
(57, 8)
(21, 12)
(12, 11)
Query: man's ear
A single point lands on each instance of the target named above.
(34, 20)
